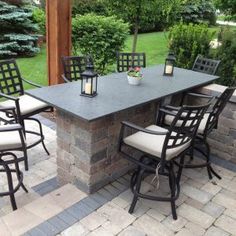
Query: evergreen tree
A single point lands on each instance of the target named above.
(17, 31)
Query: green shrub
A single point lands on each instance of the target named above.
(227, 54)
(40, 18)
(99, 36)
(187, 41)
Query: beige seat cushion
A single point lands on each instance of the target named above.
(169, 119)
(27, 103)
(10, 140)
(153, 144)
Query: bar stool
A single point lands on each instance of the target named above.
(12, 139)
(160, 147)
(206, 65)
(126, 60)
(12, 89)
(73, 66)
(208, 123)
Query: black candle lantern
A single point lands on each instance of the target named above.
(169, 64)
(89, 80)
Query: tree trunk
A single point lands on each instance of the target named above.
(135, 38)
(136, 26)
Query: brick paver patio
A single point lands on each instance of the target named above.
(204, 207)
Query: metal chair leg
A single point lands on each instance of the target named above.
(208, 160)
(19, 175)
(10, 186)
(136, 191)
(191, 154)
(26, 159)
(41, 133)
(172, 184)
(180, 170)
(209, 167)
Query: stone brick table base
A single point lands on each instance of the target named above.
(87, 151)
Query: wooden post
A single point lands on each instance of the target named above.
(58, 14)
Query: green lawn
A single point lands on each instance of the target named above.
(153, 44)
(34, 68)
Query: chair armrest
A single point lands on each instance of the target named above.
(8, 96)
(64, 78)
(138, 128)
(6, 109)
(168, 112)
(11, 127)
(199, 95)
(31, 83)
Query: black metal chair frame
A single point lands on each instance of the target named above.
(4, 164)
(73, 66)
(206, 65)
(127, 60)
(11, 86)
(175, 137)
(212, 122)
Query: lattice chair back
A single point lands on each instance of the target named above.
(206, 65)
(217, 109)
(73, 66)
(10, 78)
(127, 60)
(184, 127)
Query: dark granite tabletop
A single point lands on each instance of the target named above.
(115, 94)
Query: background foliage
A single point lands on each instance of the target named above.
(189, 40)
(16, 38)
(100, 37)
(228, 7)
(40, 19)
(199, 11)
(227, 54)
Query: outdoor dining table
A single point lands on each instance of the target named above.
(88, 128)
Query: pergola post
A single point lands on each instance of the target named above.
(58, 37)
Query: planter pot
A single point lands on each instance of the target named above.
(134, 80)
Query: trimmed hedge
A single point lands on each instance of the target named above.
(99, 36)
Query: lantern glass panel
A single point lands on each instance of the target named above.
(89, 85)
(169, 67)
(169, 64)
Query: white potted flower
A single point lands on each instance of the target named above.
(134, 76)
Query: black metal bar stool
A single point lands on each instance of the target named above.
(205, 65)
(125, 60)
(208, 123)
(12, 160)
(160, 148)
(12, 89)
(12, 139)
(73, 66)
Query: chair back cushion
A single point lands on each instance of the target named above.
(127, 60)
(206, 65)
(10, 78)
(73, 66)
